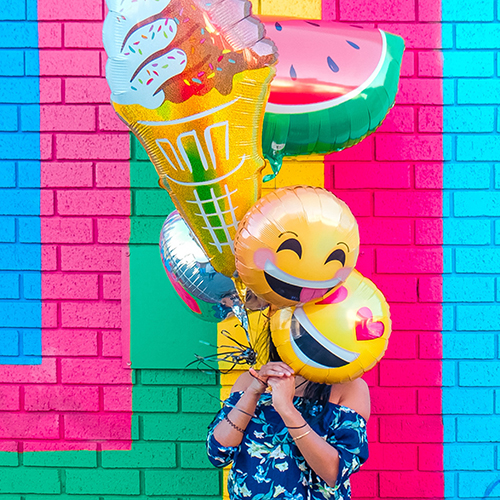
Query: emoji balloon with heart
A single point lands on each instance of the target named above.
(336, 338)
(295, 245)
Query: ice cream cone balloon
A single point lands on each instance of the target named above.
(190, 78)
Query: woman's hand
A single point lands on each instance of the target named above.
(275, 369)
(283, 393)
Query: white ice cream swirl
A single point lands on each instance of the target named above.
(139, 61)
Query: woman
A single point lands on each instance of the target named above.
(296, 442)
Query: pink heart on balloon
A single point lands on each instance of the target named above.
(366, 328)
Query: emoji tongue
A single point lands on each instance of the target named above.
(308, 294)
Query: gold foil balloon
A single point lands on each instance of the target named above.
(190, 78)
(337, 338)
(296, 244)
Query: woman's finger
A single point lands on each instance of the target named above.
(277, 367)
(276, 373)
(285, 368)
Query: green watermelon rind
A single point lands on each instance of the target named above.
(338, 126)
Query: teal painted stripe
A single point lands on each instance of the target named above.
(471, 238)
(20, 239)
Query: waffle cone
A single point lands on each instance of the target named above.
(207, 152)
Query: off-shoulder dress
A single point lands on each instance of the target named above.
(268, 464)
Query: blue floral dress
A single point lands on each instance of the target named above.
(268, 464)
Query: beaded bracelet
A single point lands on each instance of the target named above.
(265, 384)
(233, 425)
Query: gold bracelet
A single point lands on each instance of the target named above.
(302, 435)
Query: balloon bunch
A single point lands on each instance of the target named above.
(193, 80)
(297, 248)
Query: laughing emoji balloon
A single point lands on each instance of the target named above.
(336, 338)
(295, 245)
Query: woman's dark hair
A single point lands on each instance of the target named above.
(314, 392)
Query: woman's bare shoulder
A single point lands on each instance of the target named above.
(243, 381)
(354, 394)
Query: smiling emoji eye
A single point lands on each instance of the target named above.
(336, 255)
(293, 245)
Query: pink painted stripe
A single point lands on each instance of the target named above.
(399, 212)
(84, 225)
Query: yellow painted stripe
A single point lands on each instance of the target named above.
(296, 171)
(305, 9)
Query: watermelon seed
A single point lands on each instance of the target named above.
(355, 26)
(293, 73)
(278, 26)
(352, 44)
(332, 65)
(314, 24)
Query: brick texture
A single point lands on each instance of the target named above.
(64, 349)
(394, 189)
(68, 189)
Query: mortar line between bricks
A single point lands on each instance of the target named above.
(99, 453)
(142, 482)
(62, 480)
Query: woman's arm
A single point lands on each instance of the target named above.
(229, 432)
(322, 457)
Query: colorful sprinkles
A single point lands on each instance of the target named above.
(206, 34)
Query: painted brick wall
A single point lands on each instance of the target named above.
(20, 254)
(392, 182)
(60, 266)
(79, 399)
(69, 196)
(471, 374)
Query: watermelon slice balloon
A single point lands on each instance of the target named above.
(335, 84)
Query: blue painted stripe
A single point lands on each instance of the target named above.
(20, 241)
(471, 184)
